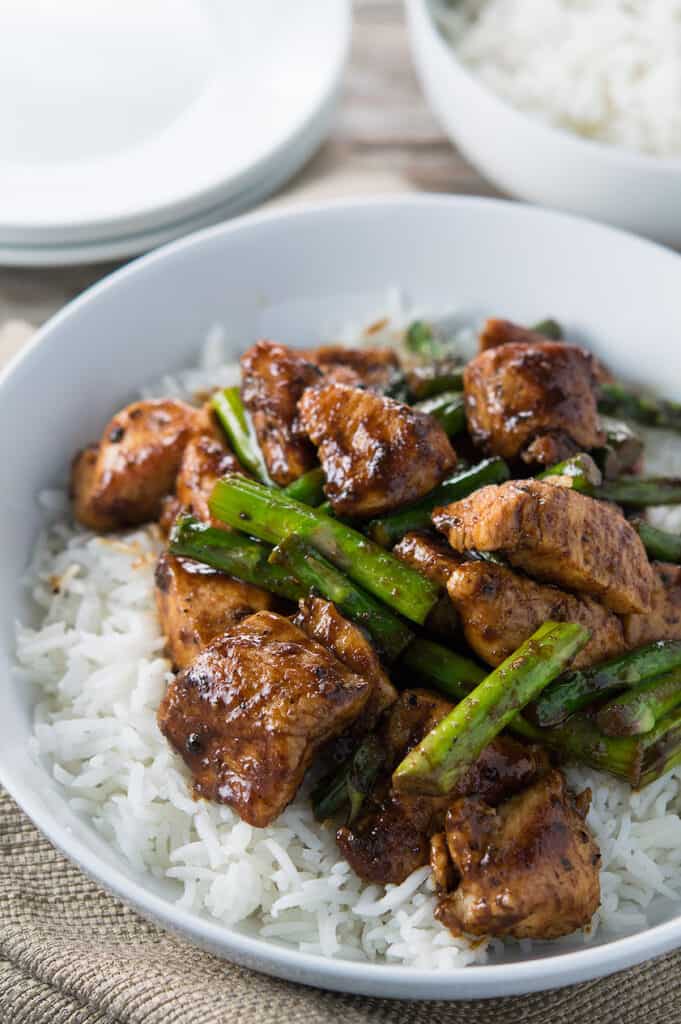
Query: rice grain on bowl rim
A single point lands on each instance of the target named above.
(95, 654)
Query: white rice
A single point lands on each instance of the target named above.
(95, 655)
(604, 69)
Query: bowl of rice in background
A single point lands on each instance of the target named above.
(572, 106)
(81, 653)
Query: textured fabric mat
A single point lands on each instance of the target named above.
(70, 954)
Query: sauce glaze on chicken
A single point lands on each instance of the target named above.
(267, 689)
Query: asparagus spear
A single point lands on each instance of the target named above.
(448, 409)
(579, 739)
(639, 709)
(439, 761)
(618, 400)
(389, 529)
(232, 415)
(315, 572)
(365, 767)
(435, 377)
(622, 450)
(582, 471)
(272, 516)
(331, 793)
(422, 340)
(576, 689)
(660, 545)
(639, 492)
(665, 753)
(308, 488)
(352, 783)
(450, 673)
(550, 328)
(234, 554)
(636, 492)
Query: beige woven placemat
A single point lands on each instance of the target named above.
(71, 954)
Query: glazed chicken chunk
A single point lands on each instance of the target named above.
(558, 535)
(663, 622)
(196, 605)
(392, 836)
(533, 401)
(500, 609)
(373, 368)
(206, 459)
(322, 622)
(428, 555)
(527, 869)
(497, 332)
(251, 711)
(376, 453)
(274, 378)
(122, 480)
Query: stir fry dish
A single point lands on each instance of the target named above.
(417, 586)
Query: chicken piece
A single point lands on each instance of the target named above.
(377, 454)
(391, 838)
(374, 368)
(274, 378)
(527, 869)
(428, 555)
(205, 460)
(663, 622)
(504, 332)
(556, 534)
(322, 622)
(432, 557)
(196, 604)
(499, 610)
(251, 711)
(122, 480)
(533, 401)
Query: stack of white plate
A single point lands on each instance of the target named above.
(124, 125)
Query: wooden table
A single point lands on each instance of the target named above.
(385, 141)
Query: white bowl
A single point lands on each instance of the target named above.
(527, 158)
(293, 276)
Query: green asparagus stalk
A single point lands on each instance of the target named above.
(452, 674)
(448, 409)
(390, 633)
(660, 545)
(434, 378)
(623, 448)
(618, 400)
(579, 739)
(580, 687)
(427, 340)
(234, 554)
(387, 530)
(665, 753)
(308, 488)
(442, 757)
(351, 783)
(639, 492)
(549, 328)
(330, 794)
(636, 492)
(366, 765)
(272, 516)
(582, 471)
(639, 709)
(232, 415)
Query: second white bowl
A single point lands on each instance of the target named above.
(529, 159)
